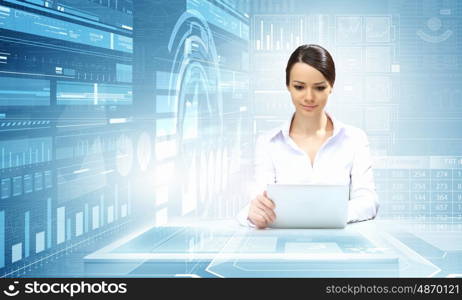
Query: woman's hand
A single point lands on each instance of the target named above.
(261, 211)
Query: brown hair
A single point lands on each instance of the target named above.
(315, 56)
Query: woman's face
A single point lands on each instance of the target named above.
(308, 89)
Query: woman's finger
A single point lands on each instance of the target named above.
(266, 201)
(259, 221)
(269, 212)
(262, 213)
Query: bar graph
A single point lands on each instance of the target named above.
(25, 152)
(68, 229)
(110, 214)
(61, 226)
(278, 33)
(78, 223)
(49, 223)
(26, 233)
(95, 217)
(116, 202)
(101, 203)
(2, 239)
(129, 200)
(16, 252)
(39, 241)
(86, 217)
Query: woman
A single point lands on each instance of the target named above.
(312, 147)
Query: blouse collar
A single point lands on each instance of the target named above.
(285, 127)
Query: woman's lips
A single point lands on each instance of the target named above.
(308, 107)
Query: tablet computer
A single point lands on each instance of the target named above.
(309, 206)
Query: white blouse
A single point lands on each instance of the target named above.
(344, 158)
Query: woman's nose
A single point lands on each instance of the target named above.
(308, 95)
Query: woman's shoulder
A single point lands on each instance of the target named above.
(346, 129)
(269, 134)
(353, 132)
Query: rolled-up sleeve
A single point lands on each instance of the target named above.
(364, 202)
(264, 173)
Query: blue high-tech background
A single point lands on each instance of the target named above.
(115, 114)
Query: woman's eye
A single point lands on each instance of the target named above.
(298, 87)
(321, 88)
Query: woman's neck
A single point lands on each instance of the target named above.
(309, 126)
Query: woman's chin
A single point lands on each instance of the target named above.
(312, 112)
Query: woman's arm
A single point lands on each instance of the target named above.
(364, 203)
(264, 173)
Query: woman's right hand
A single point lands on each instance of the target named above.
(261, 211)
